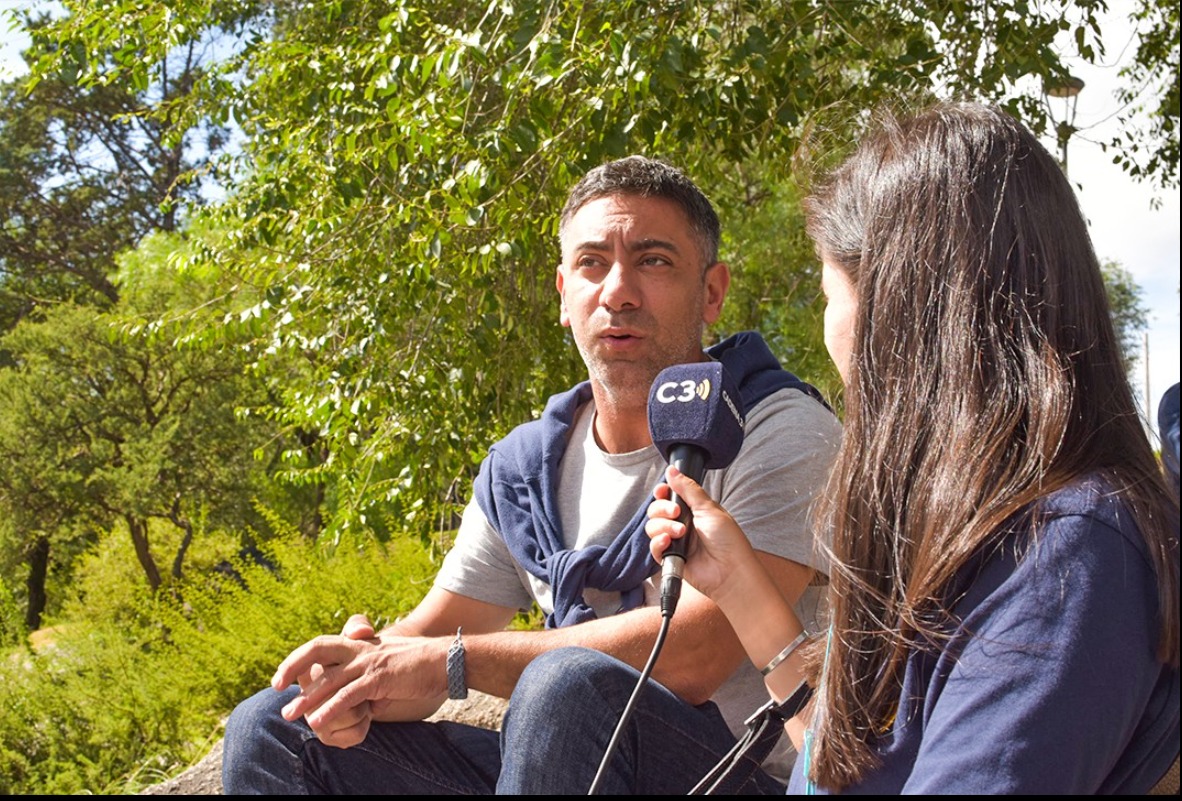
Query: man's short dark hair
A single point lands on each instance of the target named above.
(646, 177)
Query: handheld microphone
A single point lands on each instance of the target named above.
(695, 417)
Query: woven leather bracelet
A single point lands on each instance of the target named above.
(457, 680)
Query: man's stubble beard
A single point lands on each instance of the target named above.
(626, 384)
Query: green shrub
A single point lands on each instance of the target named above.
(113, 707)
(12, 623)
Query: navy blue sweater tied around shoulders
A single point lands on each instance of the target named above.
(517, 486)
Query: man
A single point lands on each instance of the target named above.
(1167, 429)
(557, 518)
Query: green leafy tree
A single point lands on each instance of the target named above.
(395, 201)
(87, 171)
(778, 292)
(388, 234)
(1152, 86)
(1129, 313)
(112, 419)
(12, 628)
(409, 238)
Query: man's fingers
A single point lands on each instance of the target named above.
(333, 710)
(358, 627)
(349, 728)
(313, 693)
(348, 737)
(305, 679)
(324, 650)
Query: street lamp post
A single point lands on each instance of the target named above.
(1068, 90)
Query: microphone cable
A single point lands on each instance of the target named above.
(666, 617)
(764, 728)
(670, 594)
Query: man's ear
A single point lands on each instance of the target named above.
(718, 281)
(563, 317)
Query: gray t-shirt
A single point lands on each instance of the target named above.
(788, 446)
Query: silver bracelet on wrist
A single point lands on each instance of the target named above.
(787, 652)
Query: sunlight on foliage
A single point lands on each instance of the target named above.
(86, 711)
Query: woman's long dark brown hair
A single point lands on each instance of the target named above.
(985, 374)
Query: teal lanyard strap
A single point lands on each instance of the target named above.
(807, 752)
(806, 755)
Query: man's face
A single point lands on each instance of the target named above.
(634, 292)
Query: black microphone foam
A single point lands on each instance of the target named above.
(695, 417)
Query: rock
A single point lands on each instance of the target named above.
(205, 778)
(477, 709)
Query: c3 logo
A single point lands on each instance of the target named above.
(683, 391)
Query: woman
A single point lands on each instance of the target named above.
(1004, 582)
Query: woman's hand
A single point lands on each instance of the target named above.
(718, 555)
(721, 563)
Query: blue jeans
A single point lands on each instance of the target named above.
(561, 718)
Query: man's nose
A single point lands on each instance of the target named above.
(619, 289)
